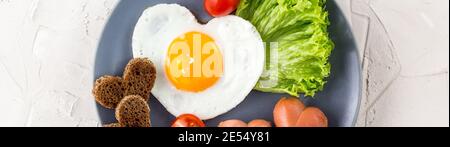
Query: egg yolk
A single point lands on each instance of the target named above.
(194, 62)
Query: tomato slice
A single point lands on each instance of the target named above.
(219, 8)
(188, 120)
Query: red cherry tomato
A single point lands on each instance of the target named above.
(219, 8)
(188, 120)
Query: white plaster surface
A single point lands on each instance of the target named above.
(47, 51)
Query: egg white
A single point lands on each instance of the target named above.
(239, 42)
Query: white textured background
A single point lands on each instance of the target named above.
(47, 50)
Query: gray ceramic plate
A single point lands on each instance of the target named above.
(339, 100)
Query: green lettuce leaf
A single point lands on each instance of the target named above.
(299, 27)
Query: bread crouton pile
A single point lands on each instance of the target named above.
(129, 94)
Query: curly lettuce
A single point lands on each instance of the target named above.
(297, 44)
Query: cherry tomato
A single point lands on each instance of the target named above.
(312, 117)
(219, 8)
(188, 120)
(287, 111)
